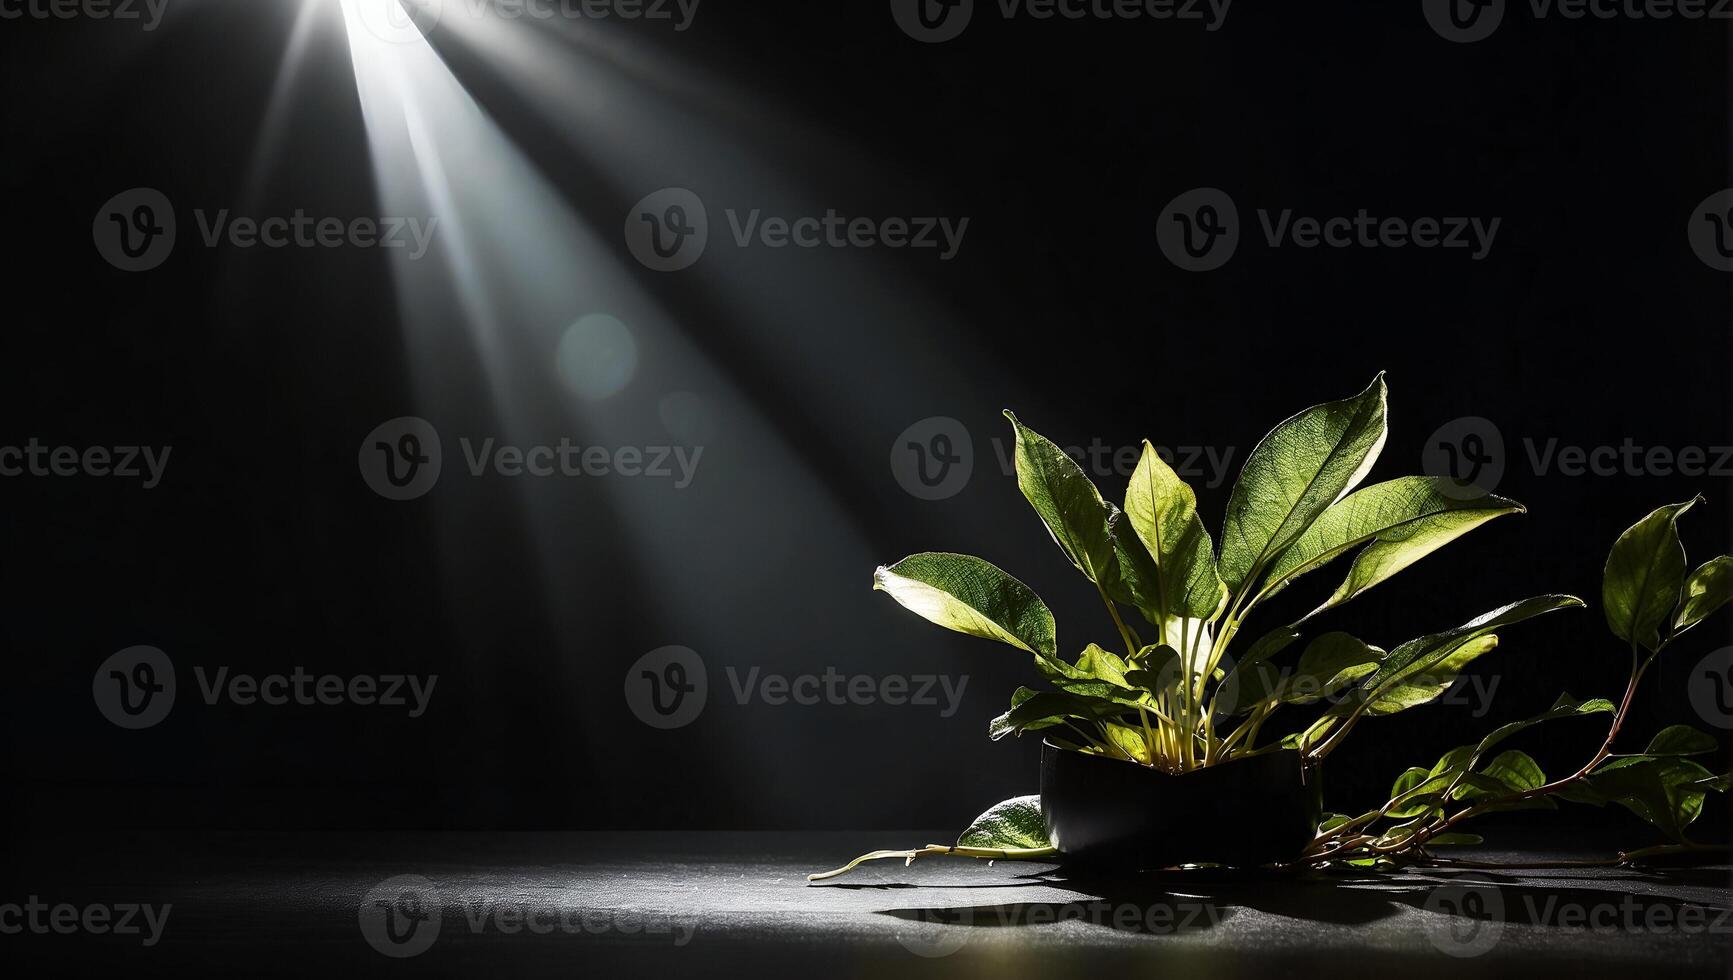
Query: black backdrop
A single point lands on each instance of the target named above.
(1590, 321)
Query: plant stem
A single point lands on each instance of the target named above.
(1469, 813)
(1418, 839)
(1623, 858)
(939, 850)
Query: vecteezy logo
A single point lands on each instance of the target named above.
(400, 916)
(400, 459)
(135, 230)
(1464, 21)
(135, 688)
(397, 21)
(1469, 454)
(933, 458)
(666, 688)
(932, 21)
(1711, 686)
(1711, 231)
(1199, 230)
(1467, 919)
(933, 933)
(667, 230)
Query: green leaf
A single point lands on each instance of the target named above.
(1331, 664)
(1668, 793)
(1409, 782)
(1135, 582)
(1517, 770)
(1680, 740)
(970, 596)
(1644, 575)
(1405, 519)
(1253, 681)
(1270, 644)
(1294, 474)
(1102, 664)
(1418, 656)
(1067, 503)
(1127, 740)
(1162, 509)
(1014, 824)
(1565, 707)
(1097, 673)
(1031, 711)
(1709, 588)
(1426, 686)
(1331, 821)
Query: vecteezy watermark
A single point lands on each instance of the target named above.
(934, 21)
(38, 917)
(402, 917)
(405, 21)
(1469, 918)
(1711, 230)
(934, 458)
(143, 463)
(1200, 230)
(136, 688)
(937, 932)
(1472, 691)
(1467, 21)
(1463, 21)
(135, 231)
(145, 13)
(668, 687)
(401, 459)
(1468, 453)
(1711, 687)
(1471, 452)
(668, 230)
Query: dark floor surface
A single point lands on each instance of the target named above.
(678, 905)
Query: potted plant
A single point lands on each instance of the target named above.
(1156, 753)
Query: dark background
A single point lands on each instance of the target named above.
(1591, 321)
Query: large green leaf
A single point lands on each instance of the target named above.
(1667, 792)
(1517, 770)
(1426, 686)
(1709, 588)
(1330, 664)
(1294, 474)
(1032, 711)
(1512, 772)
(1015, 824)
(1644, 575)
(1415, 658)
(1425, 787)
(1406, 519)
(1137, 583)
(1565, 707)
(1067, 502)
(970, 596)
(1680, 740)
(1162, 510)
(1253, 680)
(1098, 673)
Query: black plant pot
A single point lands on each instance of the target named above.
(1248, 812)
